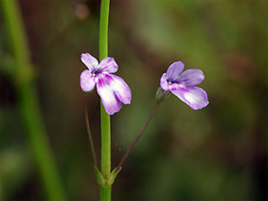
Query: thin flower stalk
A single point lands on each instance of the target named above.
(138, 136)
(90, 135)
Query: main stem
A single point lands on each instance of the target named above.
(105, 191)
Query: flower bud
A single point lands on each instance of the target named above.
(161, 94)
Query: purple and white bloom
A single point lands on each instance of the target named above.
(112, 89)
(181, 84)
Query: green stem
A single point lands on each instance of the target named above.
(103, 29)
(105, 144)
(105, 191)
(28, 103)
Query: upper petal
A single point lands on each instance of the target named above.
(109, 100)
(195, 97)
(120, 88)
(191, 77)
(90, 61)
(163, 82)
(174, 71)
(87, 81)
(108, 65)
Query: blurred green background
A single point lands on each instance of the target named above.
(217, 153)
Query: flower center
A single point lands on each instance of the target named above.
(95, 72)
(169, 82)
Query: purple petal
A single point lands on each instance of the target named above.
(120, 88)
(195, 97)
(163, 82)
(191, 77)
(109, 100)
(174, 71)
(87, 81)
(108, 65)
(90, 61)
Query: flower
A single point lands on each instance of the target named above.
(112, 89)
(181, 84)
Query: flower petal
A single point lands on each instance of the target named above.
(109, 100)
(87, 81)
(163, 82)
(120, 88)
(90, 61)
(174, 71)
(108, 65)
(191, 77)
(195, 97)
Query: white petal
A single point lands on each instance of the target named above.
(108, 65)
(109, 100)
(191, 77)
(195, 97)
(121, 89)
(163, 82)
(90, 61)
(174, 71)
(87, 81)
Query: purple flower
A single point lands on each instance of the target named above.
(112, 89)
(181, 84)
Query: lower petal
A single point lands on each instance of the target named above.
(195, 97)
(120, 88)
(109, 100)
(87, 81)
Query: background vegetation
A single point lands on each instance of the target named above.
(217, 153)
